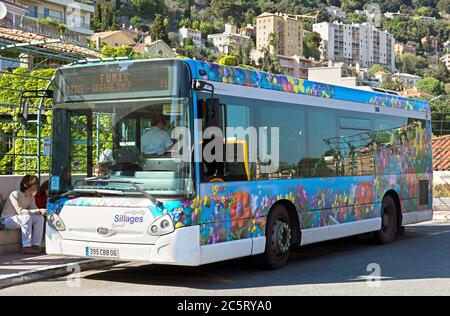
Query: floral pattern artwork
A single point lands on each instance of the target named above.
(239, 210)
(402, 162)
(258, 79)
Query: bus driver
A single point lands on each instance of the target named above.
(156, 141)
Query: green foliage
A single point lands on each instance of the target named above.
(137, 22)
(104, 17)
(122, 51)
(158, 29)
(439, 71)
(10, 100)
(150, 8)
(441, 191)
(242, 51)
(376, 68)
(431, 85)
(440, 115)
(392, 85)
(444, 6)
(405, 29)
(228, 61)
(48, 21)
(228, 10)
(311, 44)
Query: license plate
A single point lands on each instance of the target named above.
(102, 252)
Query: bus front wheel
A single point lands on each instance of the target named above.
(389, 219)
(278, 238)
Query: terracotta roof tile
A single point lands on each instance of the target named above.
(441, 153)
(17, 35)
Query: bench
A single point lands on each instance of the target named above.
(10, 241)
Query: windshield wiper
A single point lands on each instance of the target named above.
(134, 184)
(60, 196)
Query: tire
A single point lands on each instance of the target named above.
(389, 220)
(278, 238)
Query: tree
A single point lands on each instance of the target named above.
(108, 12)
(97, 17)
(393, 85)
(270, 62)
(311, 44)
(227, 10)
(122, 51)
(149, 7)
(136, 22)
(187, 9)
(376, 68)
(443, 6)
(439, 71)
(105, 17)
(242, 51)
(158, 29)
(431, 85)
(228, 61)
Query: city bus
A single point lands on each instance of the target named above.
(330, 162)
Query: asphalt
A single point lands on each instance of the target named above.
(425, 245)
(18, 269)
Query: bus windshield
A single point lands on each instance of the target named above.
(122, 134)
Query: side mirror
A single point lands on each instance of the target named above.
(213, 117)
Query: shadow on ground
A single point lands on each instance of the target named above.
(423, 252)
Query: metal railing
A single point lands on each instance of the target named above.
(33, 25)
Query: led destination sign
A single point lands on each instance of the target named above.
(114, 81)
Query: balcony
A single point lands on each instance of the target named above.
(32, 25)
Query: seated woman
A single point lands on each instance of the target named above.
(21, 212)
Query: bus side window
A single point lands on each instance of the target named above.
(210, 111)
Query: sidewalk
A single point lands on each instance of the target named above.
(19, 269)
(441, 205)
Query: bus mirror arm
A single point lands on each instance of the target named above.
(200, 85)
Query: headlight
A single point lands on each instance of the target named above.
(161, 226)
(56, 222)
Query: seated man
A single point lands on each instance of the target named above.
(156, 141)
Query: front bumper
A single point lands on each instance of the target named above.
(182, 247)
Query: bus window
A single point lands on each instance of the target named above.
(322, 156)
(355, 146)
(234, 119)
(290, 121)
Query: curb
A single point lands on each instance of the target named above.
(52, 272)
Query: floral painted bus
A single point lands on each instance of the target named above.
(329, 162)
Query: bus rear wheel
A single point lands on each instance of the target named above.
(389, 219)
(278, 238)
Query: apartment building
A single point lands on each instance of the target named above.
(401, 49)
(75, 15)
(357, 43)
(224, 41)
(195, 35)
(288, 28)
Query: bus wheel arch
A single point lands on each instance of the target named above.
(390, 219)
(396, 198)
(281, 234)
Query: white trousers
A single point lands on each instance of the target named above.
(32, 227)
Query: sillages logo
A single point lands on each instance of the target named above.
(128, 219)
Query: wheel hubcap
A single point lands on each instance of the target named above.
(281, 237)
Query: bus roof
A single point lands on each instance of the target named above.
(263, 80)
